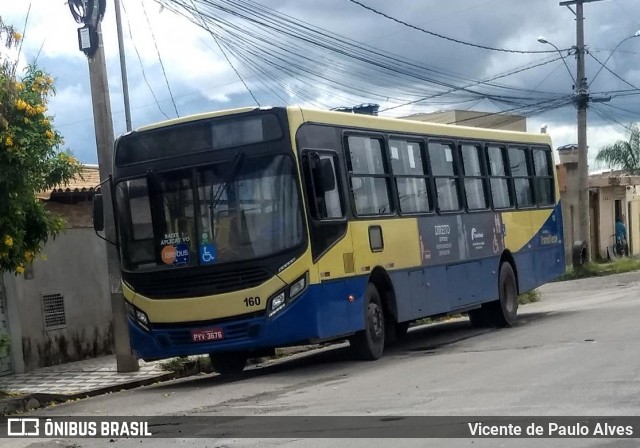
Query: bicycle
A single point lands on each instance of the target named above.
(618, 249)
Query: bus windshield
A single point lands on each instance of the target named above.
(236, 210)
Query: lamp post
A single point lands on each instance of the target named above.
(637, 34)
(542, 40)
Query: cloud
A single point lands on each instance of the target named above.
(201, 79)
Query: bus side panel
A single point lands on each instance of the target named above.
(442, 289)
(336, 314)
(549, 243)
(542, 257)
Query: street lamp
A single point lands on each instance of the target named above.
(542, 40)
(636, 34)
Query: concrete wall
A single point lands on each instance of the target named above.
(76, 267)
(475, 119)
(633, 220)
(568, 185)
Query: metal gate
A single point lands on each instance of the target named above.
(5, 362)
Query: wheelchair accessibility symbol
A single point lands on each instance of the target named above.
(207, 253)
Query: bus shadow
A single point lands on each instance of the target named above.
(438, 336)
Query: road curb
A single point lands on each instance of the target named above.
(32, 401)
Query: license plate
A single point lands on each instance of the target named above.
(212, 334)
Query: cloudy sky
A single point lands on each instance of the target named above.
(337, 53)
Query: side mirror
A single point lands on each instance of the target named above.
(98, 213)
(324, 175)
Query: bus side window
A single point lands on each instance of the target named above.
(522, 175)
(499, 179)
(410, 175)
(544, 176)
(445, 172)
(474, 183)
(369, 176)
(322, 186)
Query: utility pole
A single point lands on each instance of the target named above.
(582, 101)
(123, 67)
(90, 13)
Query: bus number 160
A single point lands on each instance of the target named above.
(252, 301)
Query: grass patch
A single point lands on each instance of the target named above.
(529, 297)
(186, 365)
(600, 269)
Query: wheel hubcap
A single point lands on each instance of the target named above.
(376, 321)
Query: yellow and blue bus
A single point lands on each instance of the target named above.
(245, 230)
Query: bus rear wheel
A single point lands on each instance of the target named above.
(368, 344)
(228, 363)
(501, 312)
(508, 293)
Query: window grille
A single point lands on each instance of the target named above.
(53, 311)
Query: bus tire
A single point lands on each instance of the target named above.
(482, 317)
(228, 363)
(368, 344)
(395, 331)
(508, 293)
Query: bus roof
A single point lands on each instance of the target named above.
(421, 127)
(369, 122)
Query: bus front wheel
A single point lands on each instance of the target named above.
(228, 363)
(368, 344)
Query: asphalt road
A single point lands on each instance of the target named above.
(574, 353)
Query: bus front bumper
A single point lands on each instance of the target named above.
(320, 313)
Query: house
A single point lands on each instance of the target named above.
(612, 195)
(476, 119)
(60, 309)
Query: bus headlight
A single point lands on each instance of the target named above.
(298, 286)
(287, 295)
(142, 317)
(277, 303)
(138, 316)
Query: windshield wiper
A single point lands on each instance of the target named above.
(215, 198)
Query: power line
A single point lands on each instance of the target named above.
(450, 39)
(144, 75)
(225, 54)
(164, 73)
(614, 73)
(474, 84)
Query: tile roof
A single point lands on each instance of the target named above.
(87, 182)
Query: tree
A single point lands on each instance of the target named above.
(623, 154)
(30, 157)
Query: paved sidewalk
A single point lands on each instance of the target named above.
(80, 379)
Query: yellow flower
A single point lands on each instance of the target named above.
(28, 255)
(8, 241)
(20, 87)
(26, 121)
(17, 36)
(49, 134)
(9, 141)
(44, 122)
(22, 105)
(40, 109)
(19, 269)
